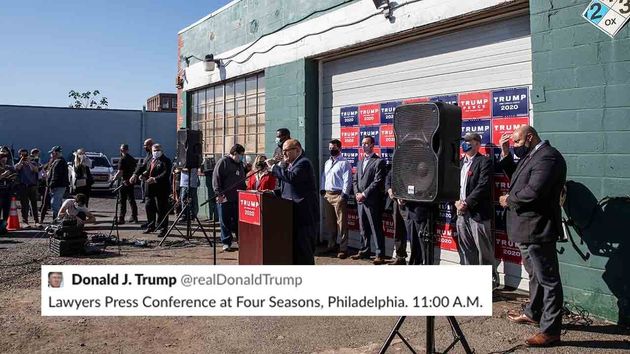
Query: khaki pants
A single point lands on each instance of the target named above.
(335, 211)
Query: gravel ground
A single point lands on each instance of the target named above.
(23, 330)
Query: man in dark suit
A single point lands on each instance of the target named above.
(534, 222)
(474, 207)
(369, 188)
(157, 180)
(298, 185)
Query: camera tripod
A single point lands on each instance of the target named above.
(429, 238)
(186, 209)
(115, 219)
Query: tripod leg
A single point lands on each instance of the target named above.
(460, 335)
(430, 335)
(203, 230)
(170, 229)
(394, 333)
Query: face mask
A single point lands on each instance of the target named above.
(334, 152)
(157, 154)
(521, 151)
(466, 146)
(238, 157)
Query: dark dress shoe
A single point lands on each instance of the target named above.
(360, 256)
(378, 261)
(543, 340)
(398, 261)
(342, 255)
(521, 319)
(148, 231)
(133, 219)
(121, 220)
(162, 233)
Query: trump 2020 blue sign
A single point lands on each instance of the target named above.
(349, 116)
(512, 102)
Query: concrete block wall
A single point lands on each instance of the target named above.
(291, 102)
(582, 105)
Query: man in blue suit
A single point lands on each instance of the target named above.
(298, 185)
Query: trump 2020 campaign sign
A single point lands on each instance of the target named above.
(249, 207)
(479, 126)
(387, 111)
(475, 105)
(349, 116)
(370, 114)
(512, 102)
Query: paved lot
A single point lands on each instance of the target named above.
(23, 330)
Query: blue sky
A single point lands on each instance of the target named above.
(125, 49)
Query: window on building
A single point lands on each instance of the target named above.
(231, 113)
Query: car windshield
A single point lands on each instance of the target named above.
(99, 161)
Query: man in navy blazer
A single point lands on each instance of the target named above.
(369, 189)
(298, 185)
(474, 207)
(534, 222)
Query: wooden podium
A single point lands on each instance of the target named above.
(265, 229)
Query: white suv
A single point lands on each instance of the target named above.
(101, 169)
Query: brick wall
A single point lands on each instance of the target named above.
(581, 100)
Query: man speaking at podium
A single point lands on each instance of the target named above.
(298, 185)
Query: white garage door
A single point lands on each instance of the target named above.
(488, 61)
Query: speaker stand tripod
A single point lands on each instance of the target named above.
(429, 240)
(186, 204)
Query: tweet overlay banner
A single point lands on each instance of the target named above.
(171, 290)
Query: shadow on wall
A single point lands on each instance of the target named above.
(603, 227)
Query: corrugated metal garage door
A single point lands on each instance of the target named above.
(491, 56)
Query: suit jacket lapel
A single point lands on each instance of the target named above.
(367, 162)
(523, 163)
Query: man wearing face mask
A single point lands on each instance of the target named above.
(142, 167)
(229, 177)
(474, 207)
(369, 189)
(158, 182)
(57, 179)
(27, 188)
(335, 187)
(534, 223)
(126, 167)
(282, 135)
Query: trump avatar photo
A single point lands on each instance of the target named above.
(55, 280)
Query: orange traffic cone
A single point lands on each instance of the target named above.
(13, 224)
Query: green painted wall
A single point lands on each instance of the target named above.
(581, 100)
(247, 20)
(292, 102)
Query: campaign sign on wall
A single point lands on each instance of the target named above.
(475, 105)
(506, 250)
(352, 155)
(446, 238)
(450, 99)
(416, 100)
(511, 102)
(349, 116)
(370, 130)
(387, 154)
(353, 219)
(506, 125)
(350, 137)
(479, 126)
(387, 111)
(499, 218)
(501, 186)
(370, 114)
(387, 138)
(447, 213)
(388, 225)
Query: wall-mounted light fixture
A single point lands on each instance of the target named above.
(385, 6)
(209, 62)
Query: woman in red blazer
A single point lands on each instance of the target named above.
(262, 180)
